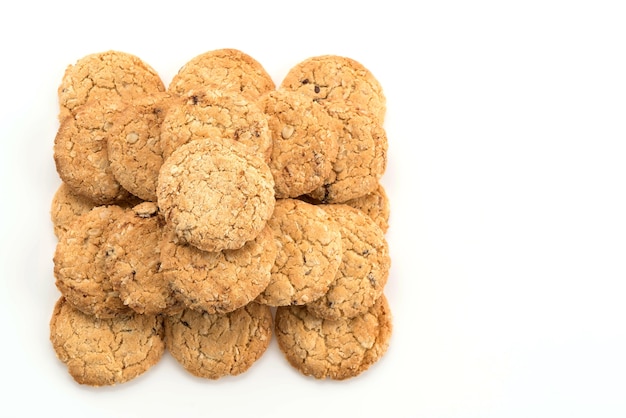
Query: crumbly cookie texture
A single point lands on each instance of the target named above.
(104, 352)
(212, 346)
(305, 141)
(364, 267)
(336, 349)
(222, 281)
(308, 257)
(105, 76)
(79, 264)
(375, 205)
(133, 261)
(134, 144)
(215, 194)
(67, 206)
(339, 83)
(226, 69)
(206, 113)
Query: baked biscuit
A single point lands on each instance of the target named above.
(218, 282)
(212, 346)
(336, 349)
(225, 69)
(308, 257)
(102, 352)
(304, 142)
(364, 268)
(214, 194)
(67, 206)
(104, 76)
(375, 205)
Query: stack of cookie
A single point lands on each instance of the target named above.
(188, 216)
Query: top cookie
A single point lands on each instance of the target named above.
(338, 83)
(104, 76)
(225, 69)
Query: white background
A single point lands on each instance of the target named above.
(506, 175)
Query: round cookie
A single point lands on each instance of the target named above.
(81, 156)
(338, 83)
(309, 254)
(361, 160)
(364, 268)
(336, 349)
(226, 69)
(304, 141)
(212, 346)
(104, 76)
(67, 206)
(375, 205)
(207, 113)
(218, 282)
(102, 352)
(215, 195)
(79, 266)
(133, 261)
(134, 144)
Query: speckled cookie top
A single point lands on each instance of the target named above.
(104, 352)
(364, 267)
(213, 346)
(309, 254)
(67, 206)
(375, 205)
(215, 194)
(226, 69)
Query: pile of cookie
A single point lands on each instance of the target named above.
(206, 217)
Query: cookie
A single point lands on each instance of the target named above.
(79, 264)
(364, 267)
(336, 349)
(212, 346)
(218, 282)
(338, 83)
(215, 195)
(214, 113)
(304, 142)
(67, 206)
(375, 205)
(361, 160)
(104, 352)
(104, 76)
(134, 144)
(81, 155)
(308, 257)
(225, 69)
(133, 261)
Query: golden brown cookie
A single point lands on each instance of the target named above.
(218, 282)
(338, 83)
(304, 141)
(225, 69)
(81, 155)
(336, 349)
(67, 206)
(375, 205)
(361, 160)
(104, 76)
(207, 113)
(101, 352)
(309, 254)
(134, 144)
(133, 261)
(79, 266)
(364, 267)
(215, 194)
(212, 346)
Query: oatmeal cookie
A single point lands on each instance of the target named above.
(375, 205)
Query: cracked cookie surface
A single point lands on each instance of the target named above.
(104, 76)
(215, 194)
(212, 346)
(375, 205)
(308, 256)
(226, 69)
(364, 267)
(336, 349)
(67, 206)
(102, 352)
(304, 141)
